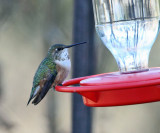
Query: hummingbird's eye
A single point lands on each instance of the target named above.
(59, 49)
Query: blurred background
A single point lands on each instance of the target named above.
(27, 29)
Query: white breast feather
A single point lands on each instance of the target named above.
(65, 64)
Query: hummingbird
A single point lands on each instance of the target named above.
(52, 71)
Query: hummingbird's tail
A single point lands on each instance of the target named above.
(29, 100)
(31, 97)
(37, 100)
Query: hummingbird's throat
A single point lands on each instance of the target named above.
(63, 59)
(62, 55)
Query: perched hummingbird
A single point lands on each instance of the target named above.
(52, 71)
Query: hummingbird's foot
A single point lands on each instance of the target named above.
(60, 85)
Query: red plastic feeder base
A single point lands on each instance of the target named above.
(115, 89)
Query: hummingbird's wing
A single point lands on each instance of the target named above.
(38, 80)
(47, 85)
(42, 75)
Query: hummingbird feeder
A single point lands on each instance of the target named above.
(128, 28)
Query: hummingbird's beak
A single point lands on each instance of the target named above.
(72, 45)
